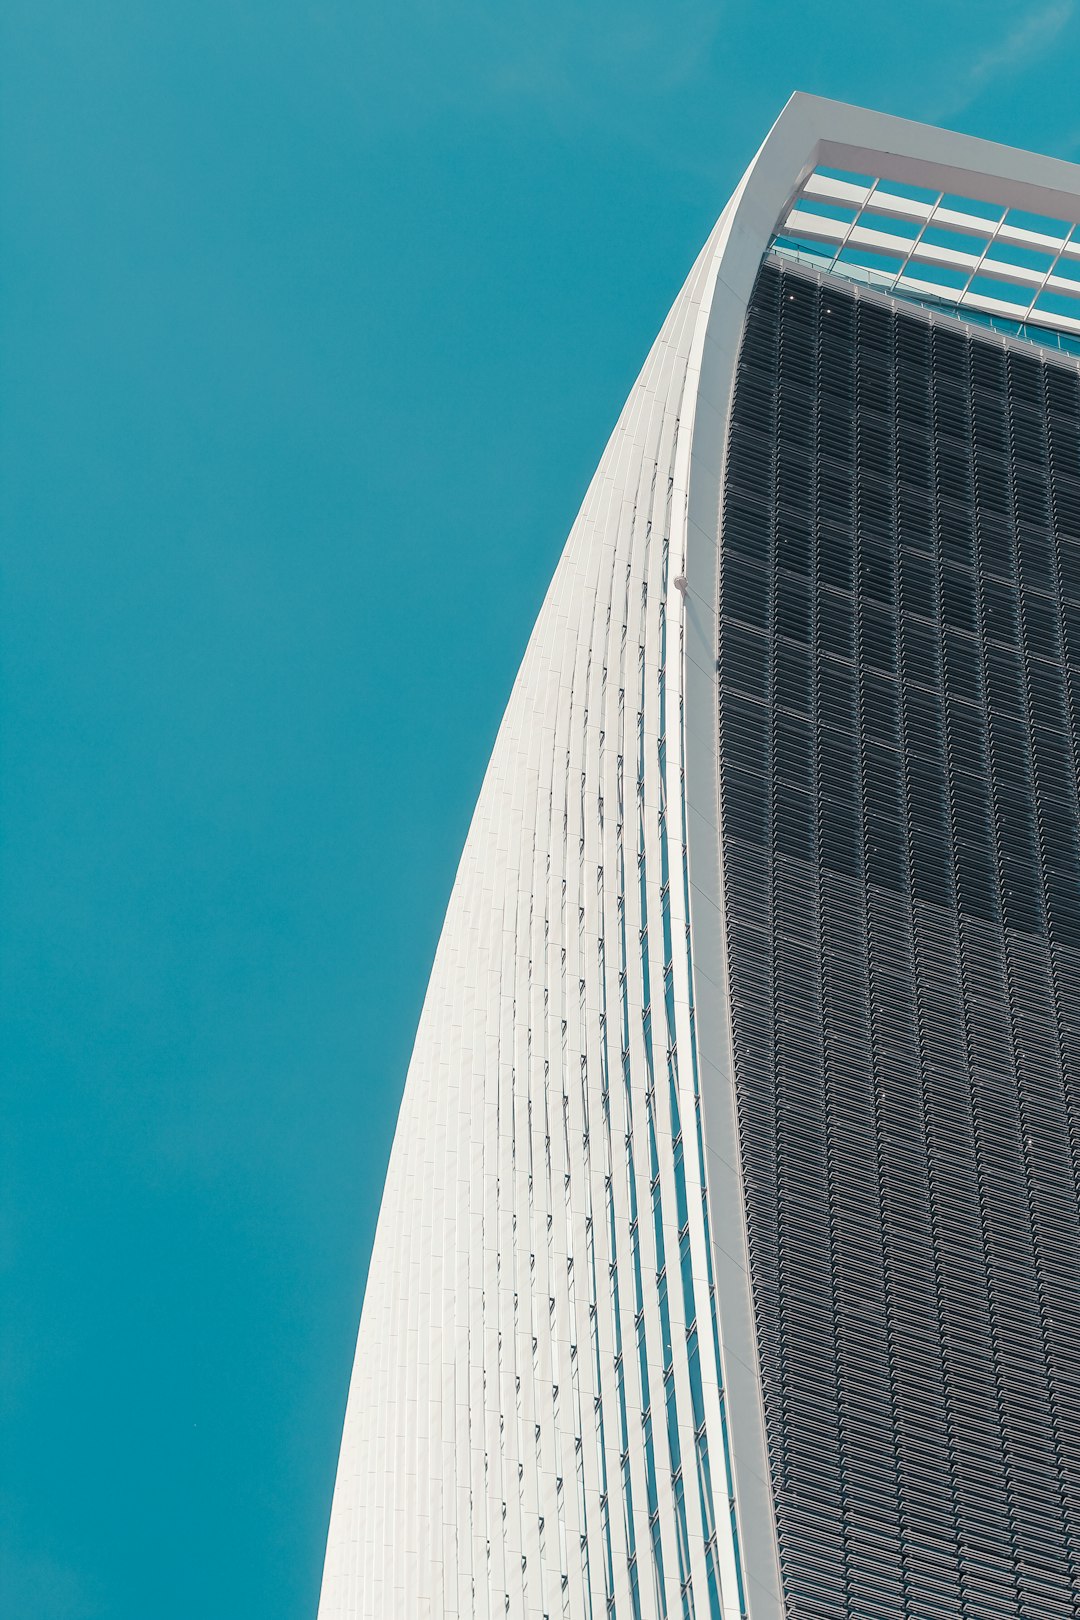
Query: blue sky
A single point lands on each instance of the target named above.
(314, 321)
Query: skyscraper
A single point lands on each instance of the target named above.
(729, 1258)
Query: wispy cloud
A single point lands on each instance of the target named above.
(625, 67)
(1029, 39)
(1026, 42)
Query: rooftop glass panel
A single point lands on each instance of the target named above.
(970, 205)
(894, 188)
(1005, 292)
(826, 210)
(976, 258)
(1039, 224)
(954, 241)
(1057, 303)
(846, 175)
(1026, 258)
(888, 224)
(939, 274)
(887, 264)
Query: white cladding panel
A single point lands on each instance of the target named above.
(528, 1431)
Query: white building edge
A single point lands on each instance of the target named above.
(520, 1439)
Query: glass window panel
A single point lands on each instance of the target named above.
(1026, 258)
(887, 225)
(970, 205)
(1057, 303)
(1038, 223)
(847, 175)
(1003, 291)
(886, 263)
(826, 210)
(896, 188)
(954, 241)
(940, 275)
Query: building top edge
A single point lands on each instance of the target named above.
(924, 212)
(905, 150)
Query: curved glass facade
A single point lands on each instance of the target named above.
(899, 734)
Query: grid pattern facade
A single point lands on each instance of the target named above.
(899, 734)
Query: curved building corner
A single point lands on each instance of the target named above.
(726, 1261)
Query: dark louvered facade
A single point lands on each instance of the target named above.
(900, 729)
